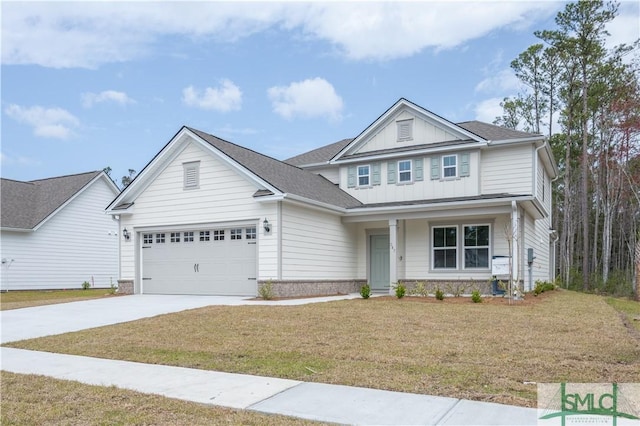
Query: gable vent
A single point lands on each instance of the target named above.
(405, 130)
(191, 175)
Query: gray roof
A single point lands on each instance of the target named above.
(319, 155)
(26, 204)
(285, 177)
(491, 132)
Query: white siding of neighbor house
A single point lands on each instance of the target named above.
(424, 132)
(316, 245)
(223, 197)
(79, 243)
(507, 170)
(426, 189)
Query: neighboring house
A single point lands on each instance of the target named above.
(55, 233)
(414, 197)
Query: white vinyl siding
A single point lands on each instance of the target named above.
(507, 170)
(316, 245)
(79, 243)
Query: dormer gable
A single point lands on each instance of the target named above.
(406, 127)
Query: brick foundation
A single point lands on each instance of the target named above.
(125, 286)
(296, 288)
(453, 287)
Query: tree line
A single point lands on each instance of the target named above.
(592, 92)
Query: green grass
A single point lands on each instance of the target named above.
(28, 298)
(38, 400)
(487, 352)
(630, 310)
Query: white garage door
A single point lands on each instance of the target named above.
(203, 261)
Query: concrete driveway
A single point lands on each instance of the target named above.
(39, 321)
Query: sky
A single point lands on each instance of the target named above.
(95, 84)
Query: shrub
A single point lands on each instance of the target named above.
(401, 290)
(266, 291)
(86, 285)
(365, 291)
(439, 294)
(476, 297)
(420, 289)
(542, 286)
(112, 287)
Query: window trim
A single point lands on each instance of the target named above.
(400, 172)
(368, 176)
(443, 167)
(434, 248)
(464, 247)
(460, 246)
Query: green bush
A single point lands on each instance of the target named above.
(476, 297)
(439, 294)
(365, 291)
(420, 289)
(401, 290)
(266, 291)
(86, 285)
(542, 286)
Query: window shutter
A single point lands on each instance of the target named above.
(391, 172)
(375, 174)
(464, 165)
(435, 168)
(351, 177)
(418, 167)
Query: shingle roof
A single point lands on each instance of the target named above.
(26, 204)
(492, 132)
(319, 155)
(285, 177)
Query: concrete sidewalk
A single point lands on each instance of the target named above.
(313, 401)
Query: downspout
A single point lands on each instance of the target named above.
(535, 169)
(515, 250)
(117, 218)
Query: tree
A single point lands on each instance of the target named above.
(127, 179)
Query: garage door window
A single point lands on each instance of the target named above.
(236, 234)
(147, 238)
(218, 235)
(188, 237)
(160, 238)
(250, 233)
(175, 237)
(205, 236)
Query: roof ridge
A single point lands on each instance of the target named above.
(65, 176)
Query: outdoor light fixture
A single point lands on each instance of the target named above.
(266, 225)
(126, 234)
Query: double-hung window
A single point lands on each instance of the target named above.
(404, 171)
(445, 247)
(476, 246)
(364, 175)
(449, 166)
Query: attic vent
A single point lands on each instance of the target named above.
(405, 130)
(191, 175)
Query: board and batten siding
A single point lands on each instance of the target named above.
(223, 196)
(79, 243)
(536, 236)
(424, 132)
(316, 245)
(507, 170)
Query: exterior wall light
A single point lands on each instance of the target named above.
(266, 225)
(126, 234)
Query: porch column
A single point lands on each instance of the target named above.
(393, 254)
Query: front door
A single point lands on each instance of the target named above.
(379, 262)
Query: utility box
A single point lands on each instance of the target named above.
(499, 271)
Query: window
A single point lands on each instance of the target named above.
(205, 236)
(250, 233)
(218, 235)
(191, 175)
(175, 237)
(363, 175)
(236, 234)
(476, 246)
(404, 171)
(160, 238)
(449, 166)
(445, 247)
(188, 237)
(147, 238)
(405, 130)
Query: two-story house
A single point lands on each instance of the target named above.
(414, 197)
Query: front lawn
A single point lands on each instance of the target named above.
(486, 351)
(28, 298)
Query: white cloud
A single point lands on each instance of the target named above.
(226, 97)
(500, 81)
(89, 99)
(61, 35)
(488, 109)
(19, 160)
(46, 122)
(624, 28)
(308, 98)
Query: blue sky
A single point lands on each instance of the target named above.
(88, 85)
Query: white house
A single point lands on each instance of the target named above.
(55, 233)
(414, 197)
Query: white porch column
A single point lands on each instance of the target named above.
(393, 254)
(515, 249)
